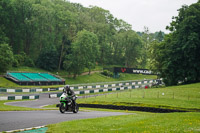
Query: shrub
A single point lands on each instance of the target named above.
(15, 63)
(48, 59)
(6, 57)
(111, 74)
(29, 62)
(107, 73)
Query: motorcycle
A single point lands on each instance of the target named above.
(66, 104)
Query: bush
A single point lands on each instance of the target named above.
(6, 57)
(107, 73)
(48, 59)
(110, 74)
(20, 58)
(29, 62)
(15, 63)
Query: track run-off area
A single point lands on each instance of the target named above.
(14, 120)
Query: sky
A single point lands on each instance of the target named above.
(154, 14)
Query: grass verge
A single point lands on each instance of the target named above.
(185, 97)
(139, 122)
(4, 107)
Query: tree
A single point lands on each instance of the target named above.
(102, 24)
(84, 53)
(6, 57)
(3, 38)
(133, 45)
(179, 52)
(65, 28)
(48, 59)
(91, 41)
(34, 27)
(118, 49)
(159, 36)
(127, 48)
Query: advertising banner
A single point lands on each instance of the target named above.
(133, 71)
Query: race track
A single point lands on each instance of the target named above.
(13, 120)
(42, 101)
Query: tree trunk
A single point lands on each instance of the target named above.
(60, 60)
(89, 71)
(74, 76)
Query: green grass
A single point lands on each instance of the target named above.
(186, 97)
(27, 69)
(4, 107)
(6, 83)
(138, 122)
(179, 97)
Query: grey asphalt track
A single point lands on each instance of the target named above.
(42, 101)
(13, 120)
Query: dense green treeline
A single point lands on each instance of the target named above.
(57, 34)
(177, 58)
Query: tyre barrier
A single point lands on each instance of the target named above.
(131, 108)
(19, 97)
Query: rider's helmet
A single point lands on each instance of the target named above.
(67, 87)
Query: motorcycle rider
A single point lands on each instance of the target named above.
(70, 93)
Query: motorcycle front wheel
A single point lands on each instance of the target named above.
(76, 108)
(62, 108)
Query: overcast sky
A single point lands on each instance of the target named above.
(155, 14)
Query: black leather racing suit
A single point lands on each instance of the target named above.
(73, 96)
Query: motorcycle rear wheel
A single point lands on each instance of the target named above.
(62, 108)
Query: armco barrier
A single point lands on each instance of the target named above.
(28, 90)
(82, 86)
(19, 97)
(99, 90)
(109, 85)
